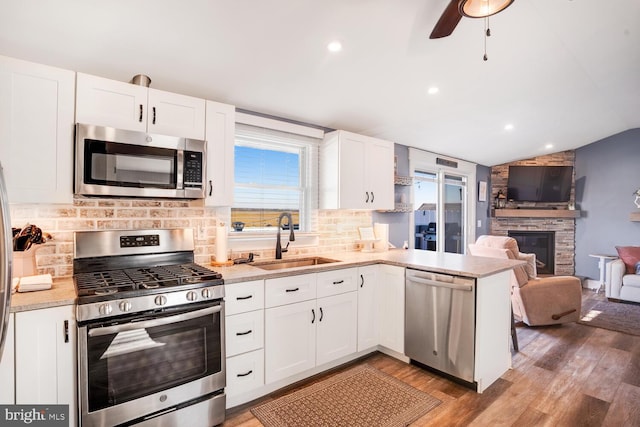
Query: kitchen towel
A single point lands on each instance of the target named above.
(221, 243)
(382, 234)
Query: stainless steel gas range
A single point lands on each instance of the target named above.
(150, 330)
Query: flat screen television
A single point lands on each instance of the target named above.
(539, 183)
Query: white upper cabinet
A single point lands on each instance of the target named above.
(220, 136)
(356, 172)
(36, 131)
(105, 102)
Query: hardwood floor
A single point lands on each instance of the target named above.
(568, 375)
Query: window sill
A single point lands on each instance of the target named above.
(242, 242)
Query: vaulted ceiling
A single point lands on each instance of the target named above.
(562, 73)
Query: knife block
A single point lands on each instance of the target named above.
(24, 263)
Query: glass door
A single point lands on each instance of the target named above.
(440, 211)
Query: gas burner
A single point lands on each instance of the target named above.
(105, 291)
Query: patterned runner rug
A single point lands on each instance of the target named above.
(362, 396)
(616, 316)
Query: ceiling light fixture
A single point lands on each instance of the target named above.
(334, 46)
(482, 8)
(508, 127)
(548, 146)
(433, 90)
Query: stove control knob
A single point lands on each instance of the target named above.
(192, 296)
(105, 309)
(160, 300)
(125, 306)
(206, 293)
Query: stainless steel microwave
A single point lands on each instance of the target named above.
(115, 162)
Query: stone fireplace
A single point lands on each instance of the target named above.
(527, 219)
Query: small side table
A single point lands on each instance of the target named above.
(601, 266)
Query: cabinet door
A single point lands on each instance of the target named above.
(379, 174)
(176, 115)
(244, 332)
(106, 102)
(243, 297)
(367, 307)
(391, 307)
(290, 340)
(353, 188)
(7, 366)
(46, 357)
(336, 327)
(291, 289)
(36, 130)
(337, 282)
(245, 373)
(220, 138)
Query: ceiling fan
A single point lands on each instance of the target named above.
(456, 9)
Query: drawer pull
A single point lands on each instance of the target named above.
(241, 298)
(338, 282)
(244, 333)
(245, 374)
(292, 290)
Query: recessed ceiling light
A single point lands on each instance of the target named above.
(433, 90)
(548, 146)
(508, 127)
(334, 46)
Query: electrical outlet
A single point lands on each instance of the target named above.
(479, 223)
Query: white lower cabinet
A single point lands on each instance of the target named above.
(367, 307)
(305, 334)
(336, 334)
(45, 357)
(245, 373)
(244, 340)
(391, 307)
(290, 339)
(7, 367)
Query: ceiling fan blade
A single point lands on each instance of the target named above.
(447, 22)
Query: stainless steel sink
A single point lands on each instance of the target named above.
(291, 263)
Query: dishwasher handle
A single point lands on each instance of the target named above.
(436, 283)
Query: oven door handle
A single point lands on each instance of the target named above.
(108, 330)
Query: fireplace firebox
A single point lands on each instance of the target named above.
(541, 243)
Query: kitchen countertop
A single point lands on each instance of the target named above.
(454, 264)
(63, 291)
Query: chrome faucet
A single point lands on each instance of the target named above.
(292, 237)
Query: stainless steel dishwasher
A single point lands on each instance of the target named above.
(440, 322)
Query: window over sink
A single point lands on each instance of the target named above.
(275, 172)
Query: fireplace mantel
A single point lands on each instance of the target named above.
(535, 213)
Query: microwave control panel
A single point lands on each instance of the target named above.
(193, 169)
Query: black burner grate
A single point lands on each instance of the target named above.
(132, 279)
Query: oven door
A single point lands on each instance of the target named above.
(137, 366)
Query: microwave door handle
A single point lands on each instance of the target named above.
(180, 177)
(109, 330)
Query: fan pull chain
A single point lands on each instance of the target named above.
(487, 33)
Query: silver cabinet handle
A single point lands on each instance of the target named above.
(108, 330)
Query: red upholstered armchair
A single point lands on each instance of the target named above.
(535, 301)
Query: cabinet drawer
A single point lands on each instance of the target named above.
(287, 290)
(245, 373)
(243, 297)
(244, 332)
(337, 282)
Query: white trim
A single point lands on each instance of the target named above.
(264, 122)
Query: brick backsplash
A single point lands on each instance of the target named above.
(564, 228)
(337, 230)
